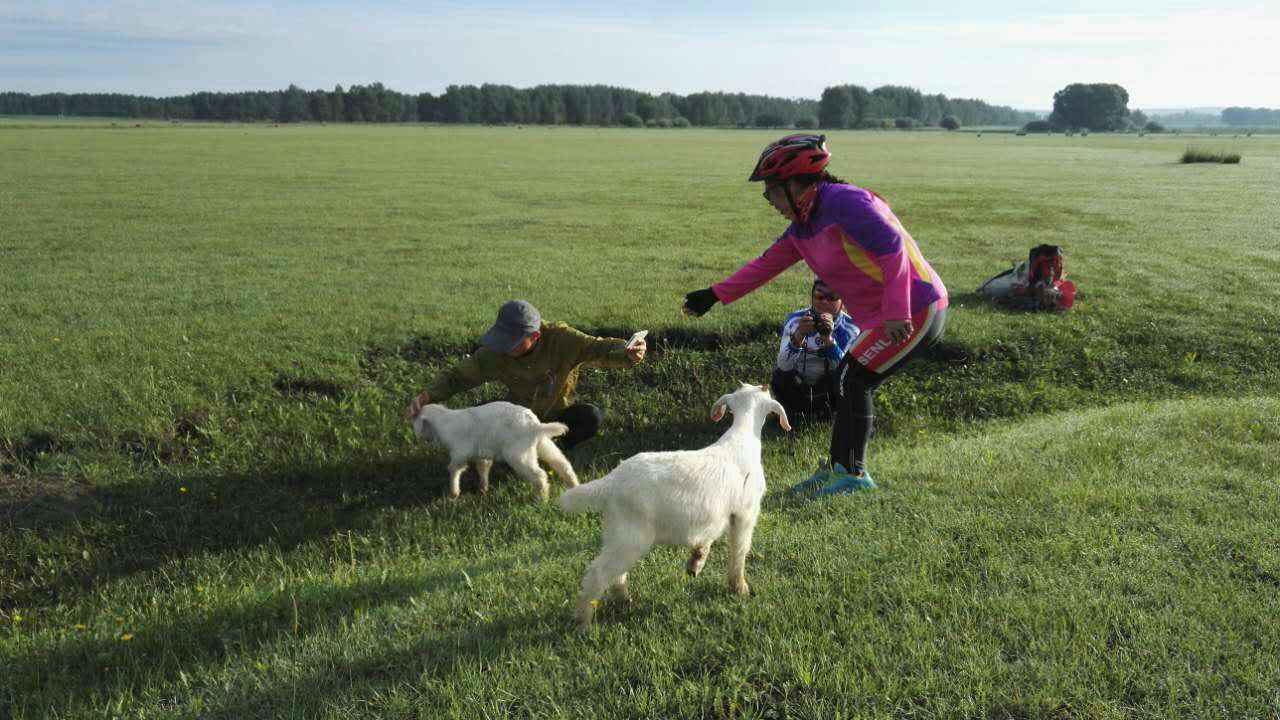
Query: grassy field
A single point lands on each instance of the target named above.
(211, 506)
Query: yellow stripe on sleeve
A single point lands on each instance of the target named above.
(861, 259)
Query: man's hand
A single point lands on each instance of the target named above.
(898, 330)
(805, 326)
(636, 352)
(416, 406)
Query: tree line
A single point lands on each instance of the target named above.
(853, 106)
(845, 106)
(359, 103)
(1250, 117)
(486, 104)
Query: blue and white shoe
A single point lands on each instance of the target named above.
(815, 481)
(843, 482)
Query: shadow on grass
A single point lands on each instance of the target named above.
(159, 516)
(435, 657)
(163, 516)
(80, 665)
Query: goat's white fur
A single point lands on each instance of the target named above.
(496, 431)
(686, 498)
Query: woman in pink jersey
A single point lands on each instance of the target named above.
(851, 239)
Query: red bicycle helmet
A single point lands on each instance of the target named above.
(801, 154)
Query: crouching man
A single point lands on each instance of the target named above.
(538, 362)
(814, 339)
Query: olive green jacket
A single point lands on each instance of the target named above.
(542, 380)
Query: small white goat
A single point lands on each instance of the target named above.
(496, 431)
(686, 497)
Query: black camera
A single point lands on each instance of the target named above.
(821, 325)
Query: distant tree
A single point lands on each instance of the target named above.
(834, 108)
(1154, 127)
(1037, 126)
(1138, 118)
(806, 123)
(646, 107)
(949, 123)
(427, 108)
(294, 106)
(680, 122)
(769, 120)
(337, 103)
(632, 120)
(1099, 106)
(318, 106)
(904, 123)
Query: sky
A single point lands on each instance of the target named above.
(1166, 53)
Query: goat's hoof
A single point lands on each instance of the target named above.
(740, 588)
(697, 560)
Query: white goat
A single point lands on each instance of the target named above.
(686, 497)
(496, 431)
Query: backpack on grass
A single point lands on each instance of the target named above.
(1036, 284)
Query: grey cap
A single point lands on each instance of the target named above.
(516, 320)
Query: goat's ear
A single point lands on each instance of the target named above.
(422, 428)
(776, 407)
(717, 410)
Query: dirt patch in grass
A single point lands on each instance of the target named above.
(173, 446)
(30, 501)
(31, 447)
(309, 387)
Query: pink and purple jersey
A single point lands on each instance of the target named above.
(859, 248)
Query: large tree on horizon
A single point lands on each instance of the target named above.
(1095, 106)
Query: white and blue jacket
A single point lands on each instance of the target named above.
(812, 361)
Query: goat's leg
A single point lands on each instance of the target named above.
(698, 558)
(610, 566)
(456, 468)
(483, 466)
(526, 466)
(619, 590)
(549, 453)
(741, 529)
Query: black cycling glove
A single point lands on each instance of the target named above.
(699, 302)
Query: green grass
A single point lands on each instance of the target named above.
(1200, 155)
(209, 334)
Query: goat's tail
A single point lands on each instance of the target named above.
(553, 429)
(587, 497)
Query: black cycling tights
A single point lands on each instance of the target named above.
(854, 413)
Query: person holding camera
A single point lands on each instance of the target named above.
(851, 239)
(538, 362)
(814, 340)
